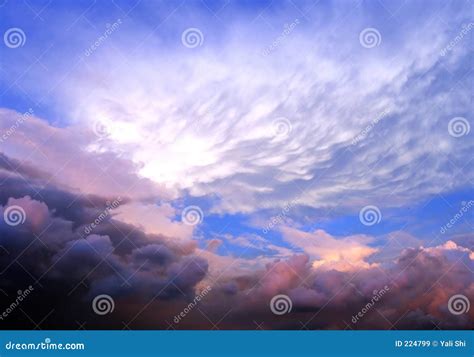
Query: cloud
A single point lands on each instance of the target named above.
(450, 246)
(155, 219)
(51, 250)
(65, 160)
(204, 121)
(343, 254)
(35, 214)
(148, 271)
(417, 289)
(213, 129)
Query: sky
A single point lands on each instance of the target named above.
(236, 164)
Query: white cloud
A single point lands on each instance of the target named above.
(203, 120)
(61, 157)
(327, 253)
(154, 219)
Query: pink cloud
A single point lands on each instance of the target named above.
(326, 252)
(64, 157)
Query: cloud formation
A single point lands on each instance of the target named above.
(279, 134)
(139, 270)
(259, 131)
(343, 254)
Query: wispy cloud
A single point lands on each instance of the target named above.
(244, 145)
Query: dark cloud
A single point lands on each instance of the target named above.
(413, 293)
(152, 277)
(68, 268)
